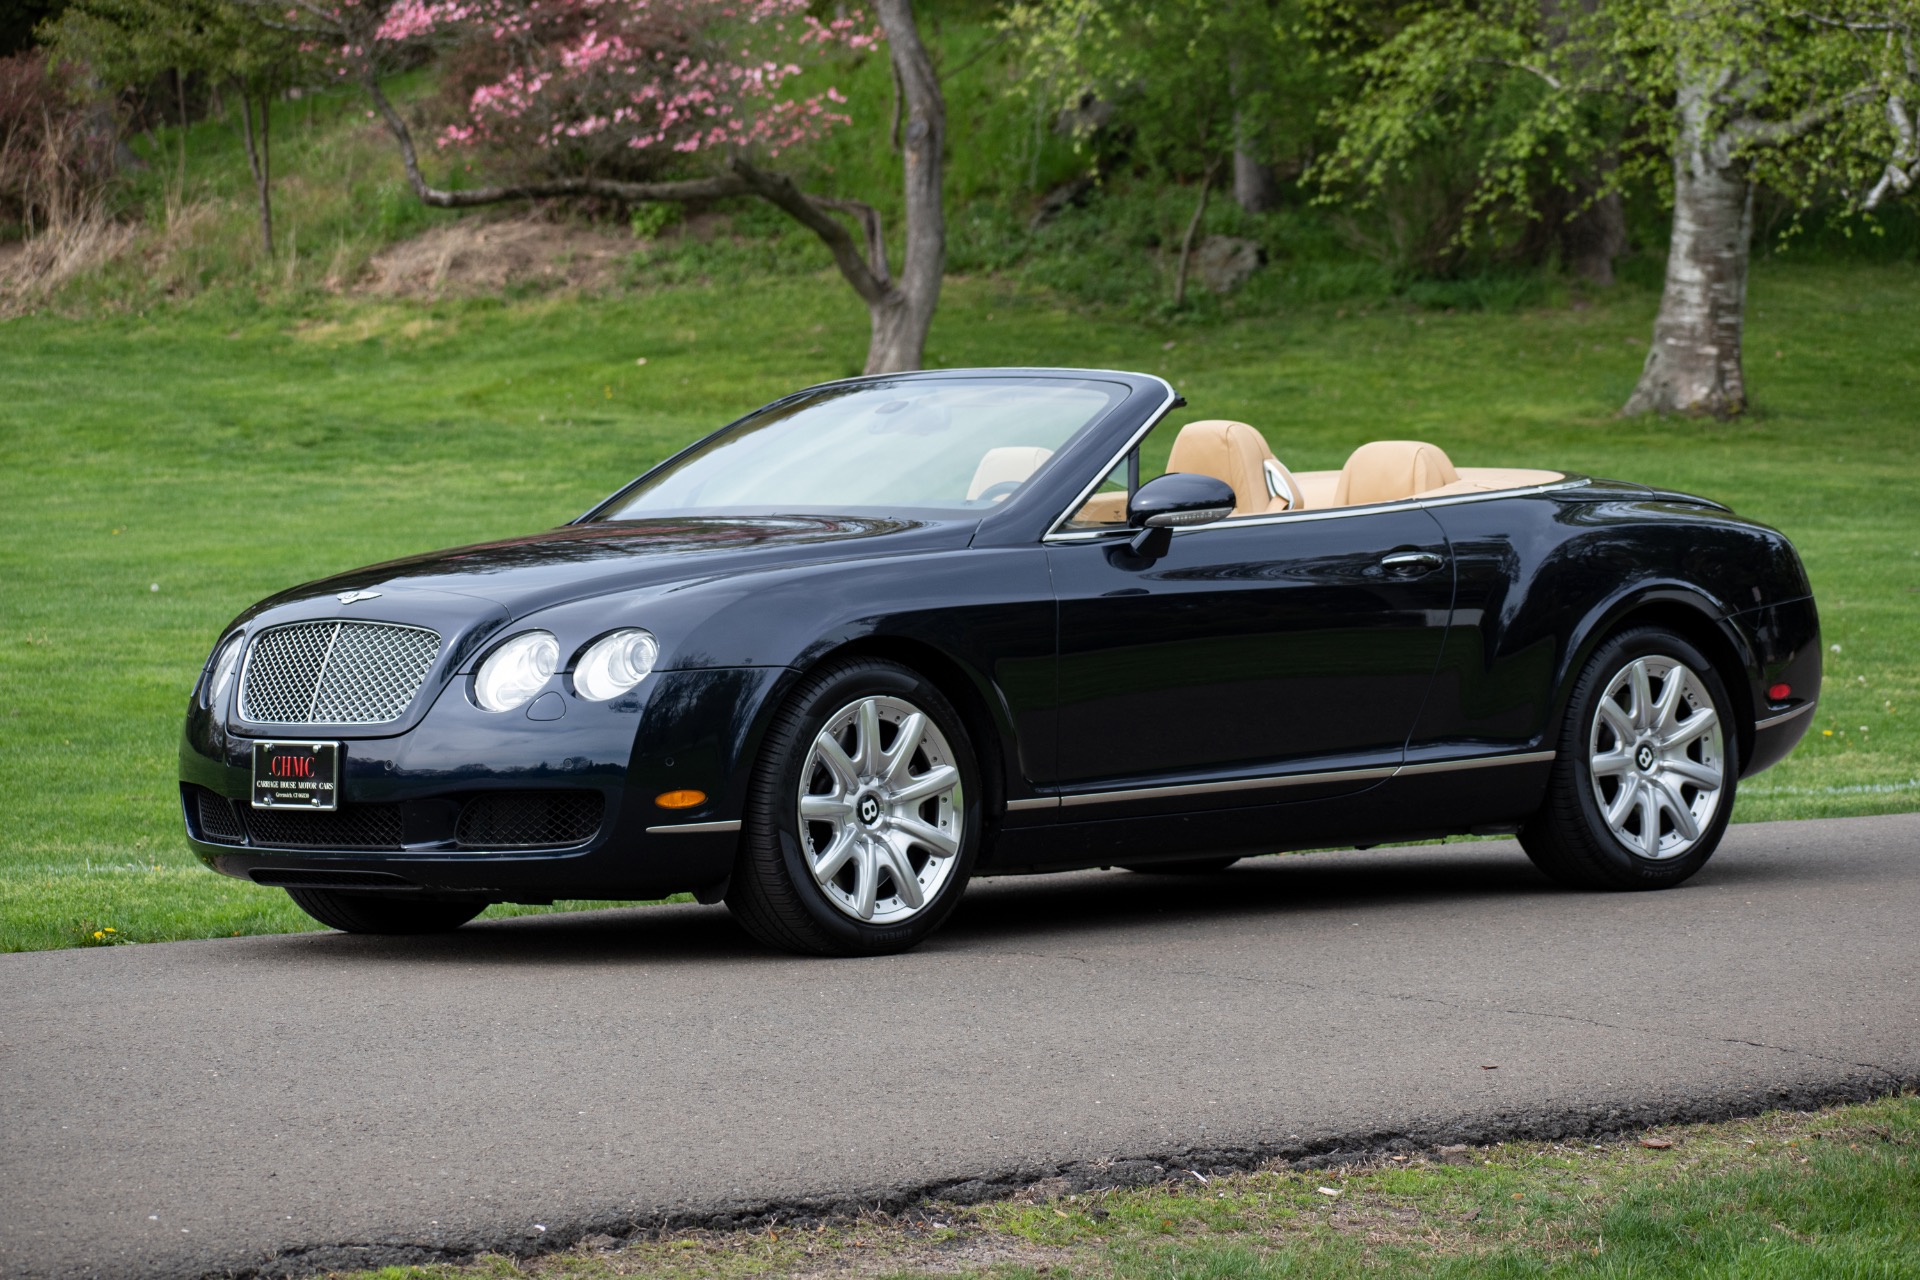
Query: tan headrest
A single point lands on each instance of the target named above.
(1389, 470)
(1233, 452)
(1009, 462)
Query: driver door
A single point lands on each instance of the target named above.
(1266, 653)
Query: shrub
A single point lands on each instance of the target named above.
(55, 163)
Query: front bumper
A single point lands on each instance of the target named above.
(500, 806)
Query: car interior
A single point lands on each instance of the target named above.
(1376, 472)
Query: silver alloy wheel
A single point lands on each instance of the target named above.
(1657, 757)
(880, 809)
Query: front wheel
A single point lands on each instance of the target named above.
(1644, 777)
(863, 819)
(383, 913)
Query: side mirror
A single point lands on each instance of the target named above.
(1178, 498)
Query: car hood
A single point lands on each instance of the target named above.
(526, 574)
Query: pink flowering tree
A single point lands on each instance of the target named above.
(664, 100)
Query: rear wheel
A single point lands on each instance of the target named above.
(383, 913)
(863, 820)
(1644, 778)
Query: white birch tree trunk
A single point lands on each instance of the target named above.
(1694, 363)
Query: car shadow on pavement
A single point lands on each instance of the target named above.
(1002, 909)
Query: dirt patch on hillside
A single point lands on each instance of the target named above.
(477, 257)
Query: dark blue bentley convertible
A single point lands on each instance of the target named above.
(886, 634)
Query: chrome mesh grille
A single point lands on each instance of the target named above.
(335, 672)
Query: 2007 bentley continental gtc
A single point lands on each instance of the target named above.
(886, 634)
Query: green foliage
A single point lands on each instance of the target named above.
(1588, 97)
(129, 42)
(1172, 83)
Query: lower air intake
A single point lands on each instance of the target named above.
(217, 820)
(351, 826)
(530, 819)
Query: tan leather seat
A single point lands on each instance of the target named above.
(1008, 462)
(1389, 470)
(1236, 453)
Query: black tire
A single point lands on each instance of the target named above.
(1191, 867)
(1569, 838)
(772, 892)
(383, 913)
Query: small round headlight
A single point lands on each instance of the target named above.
(615, 664)
(226, 660)
(515, 671)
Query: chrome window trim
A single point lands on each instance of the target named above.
(1785, 716)
(1166, 407)
(1074, 799)
(1310, 513)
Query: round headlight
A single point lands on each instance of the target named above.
(515, 671)
(615, 664)
(226, 660)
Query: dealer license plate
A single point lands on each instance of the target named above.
(296, 775)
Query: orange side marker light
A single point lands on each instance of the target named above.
(686, 799)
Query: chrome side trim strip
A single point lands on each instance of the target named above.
(1483, 762)
(1072, 799)
(1238, 784)
(1039, 802)
(1785, 716)
(691, 828)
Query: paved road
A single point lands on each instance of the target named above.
(294, 1102)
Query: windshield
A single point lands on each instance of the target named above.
(950, 443)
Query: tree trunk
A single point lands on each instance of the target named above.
(902, 317)
(1253, 183)
(257, 161)
(1694, 363)
(1591, 239)
(1193, 228)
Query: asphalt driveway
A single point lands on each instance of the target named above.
(290, 1103)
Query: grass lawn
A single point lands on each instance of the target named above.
(161, 470)
(1792, 1194)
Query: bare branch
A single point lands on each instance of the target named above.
(1773, 132)
(1552, 80)
(779, 190)
(1903, 166)
(1843, 25)
(868, 218)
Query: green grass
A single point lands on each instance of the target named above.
(161, 469)
(1791, 1194)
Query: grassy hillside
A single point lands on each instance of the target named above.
(161, 470)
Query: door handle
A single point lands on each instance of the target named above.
(1411, 562)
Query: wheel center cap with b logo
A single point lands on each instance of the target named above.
(869, 810)
(1643, 757)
